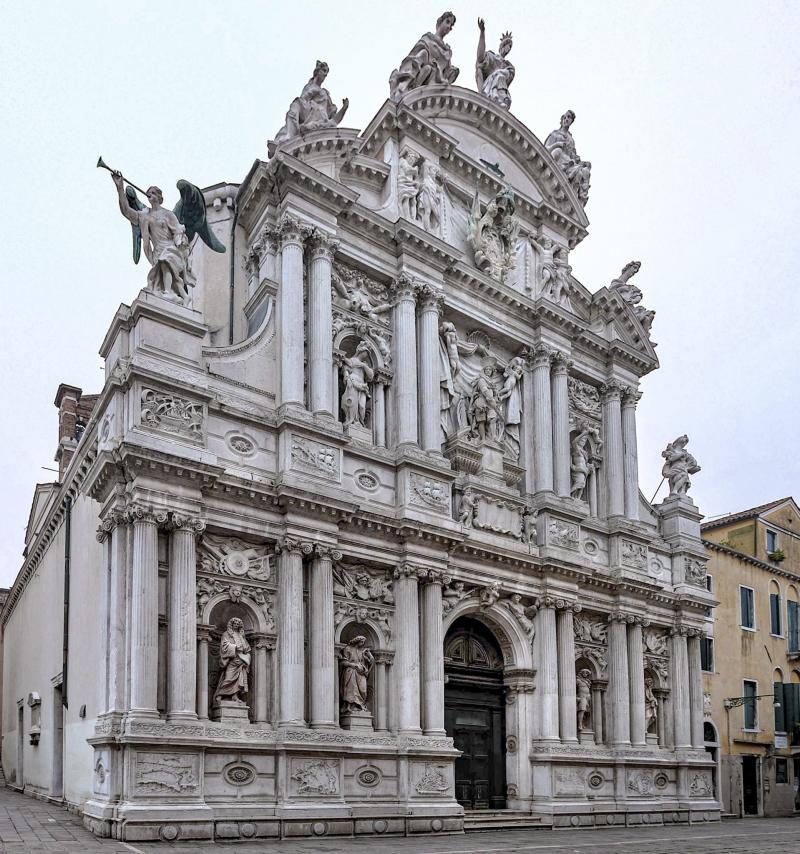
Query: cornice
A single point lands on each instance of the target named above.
(751, 561)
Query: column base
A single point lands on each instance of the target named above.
(323, 725)
(435, 732)
(181, 717)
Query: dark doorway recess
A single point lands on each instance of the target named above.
(750, 784)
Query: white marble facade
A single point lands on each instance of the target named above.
(424, 417)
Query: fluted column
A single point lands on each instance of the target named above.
(291, 351)
(630, 453)
(144, 610)
(545, 656)
(262, 645)
(618, 685)
(114, 530)
(560, 404)
(636, 683)
(695, 690)
(598, 723)
(567, 702)
(612, 432)
(322, 656)
(432, 655)
(680, 689)
(405, 343)
(542, 421)
(527, 443)
(203, 638)
(380, 702)
(406, 662)
(320, 318)
(379, 409)
(430, 303)
(182, 627)
(291, 657)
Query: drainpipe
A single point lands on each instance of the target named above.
(65, 646)
(232, 269)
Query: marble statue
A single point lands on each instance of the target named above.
(511, 396)
(430, 197)
(449, 336)
(650, 706)
(455, 386)
(427, 63)
(408, 183)
(521, 612)
(493, 234)
(529, 535)
(356, 663)
(313, 109)
(583, 696)
(561, 284)
(493, 71)
(358, 373)
(579, 466)
(350, 292)
(485, 415)
(467, 508)
(546, 249)
(234, 660)
(678, 465)
(562, 146)
(633, 295)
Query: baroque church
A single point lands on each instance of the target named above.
(351, 541)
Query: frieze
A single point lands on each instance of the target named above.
(315, 458)
(633, 555)
(655, 642)
(641, 782)
(359, 583)
(701, 787)
(320, 778)
(170, 413)
(566, 535)
(432, 781)
(584, 398)
(360, 295)
(234, 557)
(694, 571)
(159, 773)
(430, 493)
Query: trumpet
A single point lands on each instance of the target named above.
(101, 164)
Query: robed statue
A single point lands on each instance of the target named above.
(494, 71)
(428, 62)
(234, 661)
(313, 109)
(357, 661)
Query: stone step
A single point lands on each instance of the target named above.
(484, 820)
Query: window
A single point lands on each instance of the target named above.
(794, 626)
(779, 705)
(775, 614)
(746, 596)
(781, 770)
(707, 654)
(772, 541)
(787, 714)
(750, 705)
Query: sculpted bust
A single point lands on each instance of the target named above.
(428, 62)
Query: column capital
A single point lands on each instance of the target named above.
(560, 363)
(187, 523)
(291, 545)
(559, 603)
(630, 396)
(323, 245)
(611, 390)
(382, 656)
(383, 376)
(324, 551)
(540, 355)
(293, 230)
(111, 520)
(261, 640)
(430, 298)
(622, 617)
(267, 239)
(404, 288)
(137, 511)
(204, 631)
(409, 570)
(436, 576)
(678, 630)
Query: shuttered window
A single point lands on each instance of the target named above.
(775, 614)
(794, 626)
(748, 608)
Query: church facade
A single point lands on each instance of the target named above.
(351, 540)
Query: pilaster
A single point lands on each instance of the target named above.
(542, 420)
(320, 318)
(430, 305)
(432, 654)
(681, 701)
(618, 683)
(612, 432)
(293, 234)
(406, 615)
(636, 682)
(630, 398)
(545, 660)
(560, 405)
(405, 342)
(322, 656)
(566, 673)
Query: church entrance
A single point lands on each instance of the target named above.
(474, 714)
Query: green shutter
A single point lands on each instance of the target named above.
(781, 718)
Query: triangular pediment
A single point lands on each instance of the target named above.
(42, 498)
(614, 319)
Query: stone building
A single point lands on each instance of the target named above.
(753, 684)
(371, 554)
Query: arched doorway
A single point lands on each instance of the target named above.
(474, 713)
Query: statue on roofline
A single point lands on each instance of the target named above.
(428, 62)
(633, 295)
(678, 465)
(493, 72)
(561, 146)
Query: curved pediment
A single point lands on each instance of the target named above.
(488, 134)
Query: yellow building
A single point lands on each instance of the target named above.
(751, 658)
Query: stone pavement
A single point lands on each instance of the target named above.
(28, 826)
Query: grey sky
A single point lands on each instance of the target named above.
(688, 112)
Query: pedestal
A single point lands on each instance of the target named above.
(356, 720)
(586, 736)
(230, 712)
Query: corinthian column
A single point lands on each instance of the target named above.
(560, 403)
(144, 610)
(320, 319)
(430, 302)
(527, 442)
(405, 342)
(203, 639)
(636, 683)
(695, 690)
(114, 530)
(432, 656)
(567, 702)
(182, 644)
(680, 689)
(542, 421)
(293, 233)
(406, 661)
(612, 431)
(618, 685)
(322, 653)
(545, 660)
(291, 658)
(630, 454)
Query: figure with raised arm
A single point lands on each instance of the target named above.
(678, 465)
(493, 71)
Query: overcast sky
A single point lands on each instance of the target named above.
(688, 111)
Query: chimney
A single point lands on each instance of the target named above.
(67, 398)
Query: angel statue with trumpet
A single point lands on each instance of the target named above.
(167, 235)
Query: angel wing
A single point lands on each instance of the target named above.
(191, 213)
(136, 231)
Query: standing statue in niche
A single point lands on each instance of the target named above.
(579, 467)
(678, 465)
(561, 146)
(493, 234)
(529, 535)
(633, 295)
(467, 508)
(313, 109)
(356, 663)
(546, 249)
(408, 183)
(485, 416)
(428, 62)
(650, 706)
(358, 374)
(511, 395)
(234, 660)
(430, 197)
(583, 697)
(453, 403)
(493, 72)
